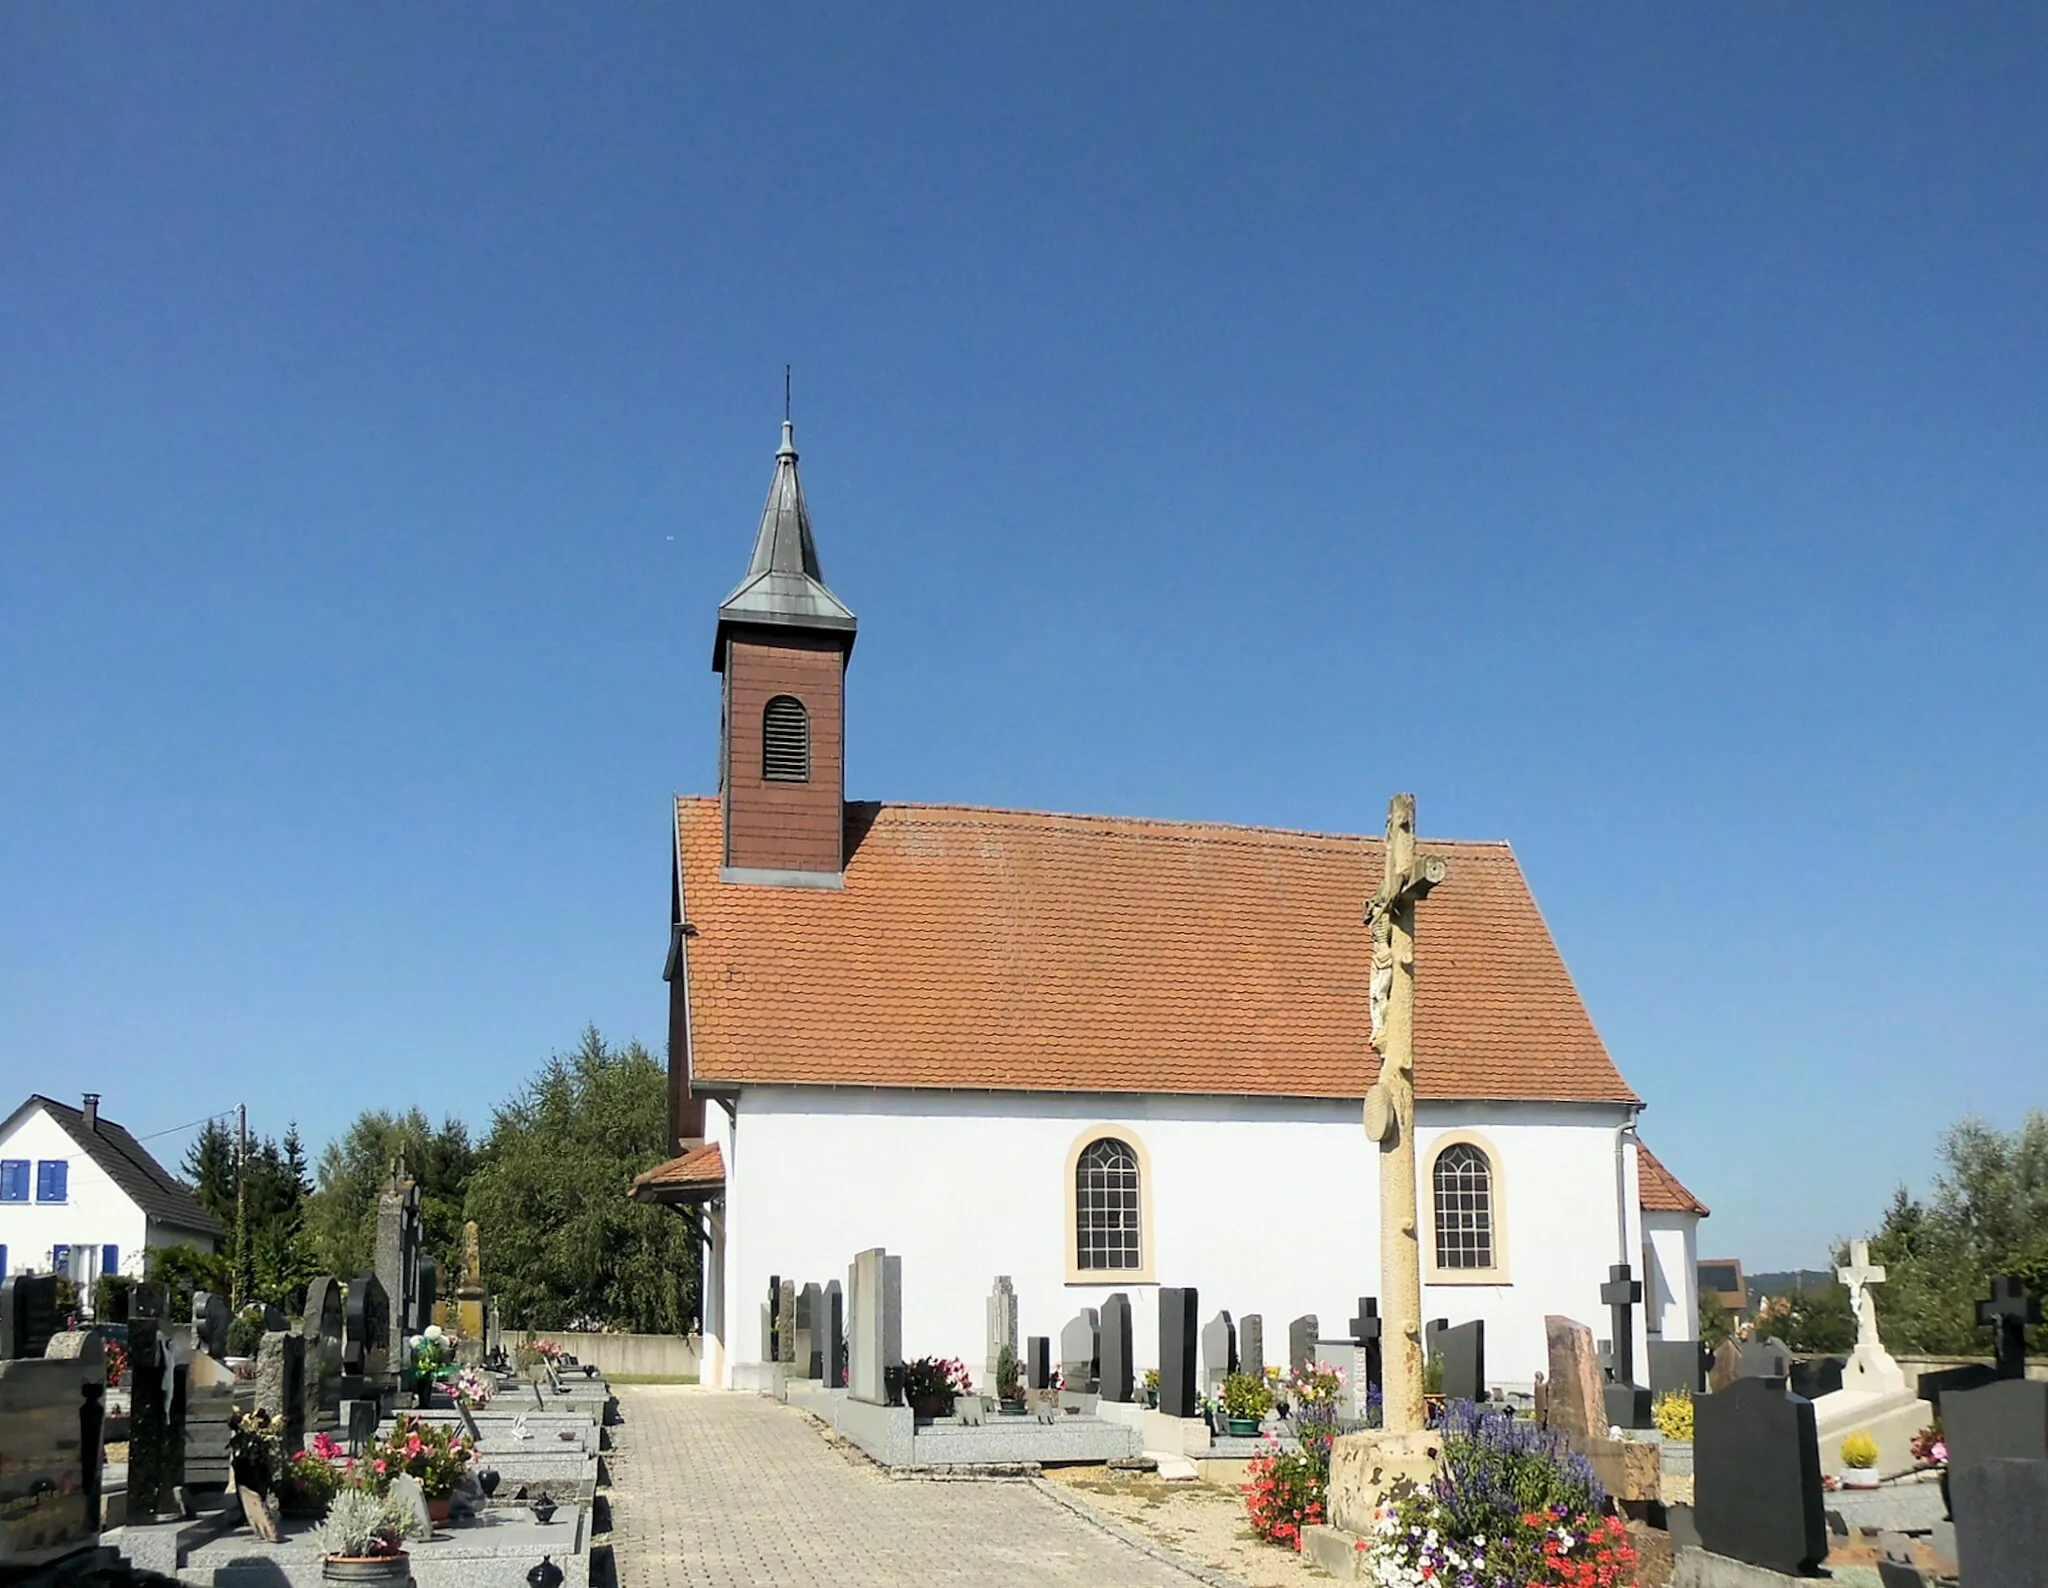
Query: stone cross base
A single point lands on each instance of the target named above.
(1365, 1467)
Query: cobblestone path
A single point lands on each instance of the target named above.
(714, 1490)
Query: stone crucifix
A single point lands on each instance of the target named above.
(1390, 1109)
(1859, 1276)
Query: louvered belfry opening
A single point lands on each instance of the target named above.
(786, 741)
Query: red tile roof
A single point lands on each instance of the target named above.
(1658, 1188)
(1022, 950)
(700, 1170)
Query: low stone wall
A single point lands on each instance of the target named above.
(638, 1355)
(1914, 1366)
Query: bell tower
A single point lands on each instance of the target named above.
(782, 647)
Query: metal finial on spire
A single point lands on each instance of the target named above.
(785, 394)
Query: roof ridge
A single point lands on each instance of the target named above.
(1168, 823)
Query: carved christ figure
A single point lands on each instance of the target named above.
(1382, 973)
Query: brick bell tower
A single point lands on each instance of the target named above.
(782, 647)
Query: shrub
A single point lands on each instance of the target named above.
(245, 1332)
(1859, 1451)
(1245, 1396)
(1284, 1492)
(1498, 1468)
(308, 1486)
(434, 1454)
(1006, 1374)
(111, 1294)
(1673, 1413)
(935, 1378)
(360, 1525)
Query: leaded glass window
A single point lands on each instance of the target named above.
(1464, 1208)
(1106, 1206)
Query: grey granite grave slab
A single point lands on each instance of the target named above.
(494, 1550)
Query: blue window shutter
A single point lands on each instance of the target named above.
(3, 1262)
(13, 1180)
(110, 1259)
(51, 1175)
(60, 1259)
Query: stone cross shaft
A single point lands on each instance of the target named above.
(1390, 1107)
(1621, 1293)
(1859, 1276)
(2007, 1312)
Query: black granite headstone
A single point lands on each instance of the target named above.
(2007, 1314)
(833, 1333)
(1768, 1358)
(1462, 1350)
(1177, 1332)
(776, 1322)
(1756, 1477)
(429, 1289)
(28, 1315)
(1117, 1380)
(210, 1319)
(2006, 1419)
(1679, 1365)
(1038, 1361)
(1816, 1376)
(366, 1325)
(156, 1422)
(1627, 1403)
(1365, 1333)
(2001, 1507)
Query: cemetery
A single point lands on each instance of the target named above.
(364, 1431)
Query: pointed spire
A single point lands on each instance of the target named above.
(785, 584)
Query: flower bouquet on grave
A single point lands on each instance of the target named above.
(254, 1449)
(1246, 1400)
(1151, 1386)
(310, 1479)
(429, 1358)
(437, 1456)
(931, 1384)
(117, 1364)
(1930, 1449)
(472, 1386)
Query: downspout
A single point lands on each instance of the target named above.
(1629, 1222)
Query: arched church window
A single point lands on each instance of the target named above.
(1106, 1233)
(786, 741)
(1463, 1183)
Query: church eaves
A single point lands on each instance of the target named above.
(785, 584)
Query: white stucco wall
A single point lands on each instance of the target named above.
(94, 1213)
(1671, 1248)
(1265, 1205)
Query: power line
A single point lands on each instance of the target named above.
(190, 1125)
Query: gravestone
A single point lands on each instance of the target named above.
(1117, 1381)
(832, 1334)
(1726, 1367)
(1768, 1358)
(2007, 1418)
(1575, 1405)
(1177, 1397)
(810, 1338)
(1365, 1331)
(1001, 1310)
(157, 1373)
(411, 1500)
(2007, 1314)
(1038, 1362)
(1251, 1345)
(470, 1295)
(1348, 1358)
(1813, 1377)
(494, 1333)
(396, 1263)
(428, 1291)
(1301, 1343)
(28, 1315)
(281, 1384)
(322, 1330)
(1627, 1403)
(1081, 1351)
(1756, 1477)
(2001, 1510)
(1677, 1366)
(1219, 1353)
(210, 1318)
(365, 1337)
(877, 1331)
(785, 1324)
(1462, 1351)
(768, 1345)
(50, 1411)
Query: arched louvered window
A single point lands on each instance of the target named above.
(1463, 1183)
(1106, 1234)
(786, 741)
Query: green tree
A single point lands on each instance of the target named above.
(356, 1170)
(210, 1171)
(562, 1244)
(1988, 1215)
(1717, 1323)
(186, 1269)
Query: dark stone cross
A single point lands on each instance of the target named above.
(1621, 1293)
(1365, 1332)
(2007, 1313)
(776, 1322)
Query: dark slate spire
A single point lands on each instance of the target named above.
(784, 586)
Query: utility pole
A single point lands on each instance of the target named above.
(241, 1274)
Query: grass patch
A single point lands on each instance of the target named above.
(650, 1378)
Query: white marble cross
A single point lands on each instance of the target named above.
(1859, 1276)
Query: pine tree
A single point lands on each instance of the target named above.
(210, 1170)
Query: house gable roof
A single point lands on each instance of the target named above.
(145, 1182)
(1021, 950)
(1659, 1190)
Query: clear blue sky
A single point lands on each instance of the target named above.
(387, 396)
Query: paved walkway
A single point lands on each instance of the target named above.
(714, 1490)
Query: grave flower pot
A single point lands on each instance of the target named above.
(369, 1571)
(932, 1406)
(437, 1510)
(1859, 1478)
(1243, 1427)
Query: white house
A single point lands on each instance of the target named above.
(1098, 1054)
(1671, 1250)
(80, 1196)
